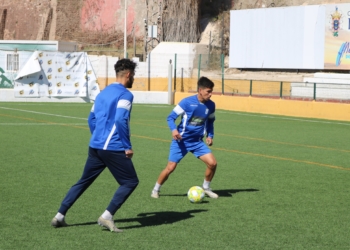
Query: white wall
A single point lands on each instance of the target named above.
(187, 55)
(187, 58)
(103, 65)
(328, 86)
(149, 97)
(8, 95)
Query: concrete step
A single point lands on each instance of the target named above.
(332, 76)
(327, 80)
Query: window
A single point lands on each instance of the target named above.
(12, 62)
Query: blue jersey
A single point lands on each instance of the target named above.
(110, 117)
(197, 118)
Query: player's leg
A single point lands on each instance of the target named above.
(93, 168)
(177, 152)
(211, 164)
(122, 169)
(201, 151)
(163, 176)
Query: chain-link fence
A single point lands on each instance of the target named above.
(153, 74)
(213, 66)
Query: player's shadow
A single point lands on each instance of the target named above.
(221, 192)
(151, 219)
(81, 224)
(230, 192)
(158, 218)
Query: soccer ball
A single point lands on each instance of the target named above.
(195, 194)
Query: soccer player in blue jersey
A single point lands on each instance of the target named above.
(197, 121)
(109, 146)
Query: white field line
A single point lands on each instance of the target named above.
(41, 113)
(43, 124)
(223, 112)
(152, 106)
(286, 118)
(51, 104)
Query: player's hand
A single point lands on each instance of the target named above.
(209, 141)
(129, 153)
(176, 135)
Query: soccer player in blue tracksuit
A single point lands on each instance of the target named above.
(109, 146)
(198, 116)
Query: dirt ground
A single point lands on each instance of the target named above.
(256, 75)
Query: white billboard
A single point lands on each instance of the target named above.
(300, 37)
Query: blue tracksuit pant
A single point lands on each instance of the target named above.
(121, 168)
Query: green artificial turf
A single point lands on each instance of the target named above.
(283, 183)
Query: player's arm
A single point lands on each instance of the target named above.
(210, 128)
(92, 119)
(122, 120)
(175, 113)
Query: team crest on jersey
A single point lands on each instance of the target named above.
(206, 111)
(196, 121)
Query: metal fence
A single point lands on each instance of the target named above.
(187, 69)
(276, 89)
(213, 66)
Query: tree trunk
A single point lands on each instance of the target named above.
(181, 21)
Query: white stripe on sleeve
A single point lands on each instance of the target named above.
(125, 104)
(109, 137)
(93, 108)
(212, 116)
(178, 110)
(184, 124)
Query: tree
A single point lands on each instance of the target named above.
(181, 21)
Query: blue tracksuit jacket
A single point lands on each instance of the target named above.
(109, 119)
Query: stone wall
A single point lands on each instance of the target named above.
(23, 19)
(68, 19)
(80, 20)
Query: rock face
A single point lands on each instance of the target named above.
(86, 20)
(67, 19)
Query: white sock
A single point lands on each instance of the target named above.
(206, 184)
(59, 217)
(107, 215)
(157, 187)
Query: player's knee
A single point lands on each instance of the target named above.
(212, 165)
(133, 183)
(170, 170)
(170, 167)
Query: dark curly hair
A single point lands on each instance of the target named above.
(204, 82)
(124, 65)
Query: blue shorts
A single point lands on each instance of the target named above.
(178, 150)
